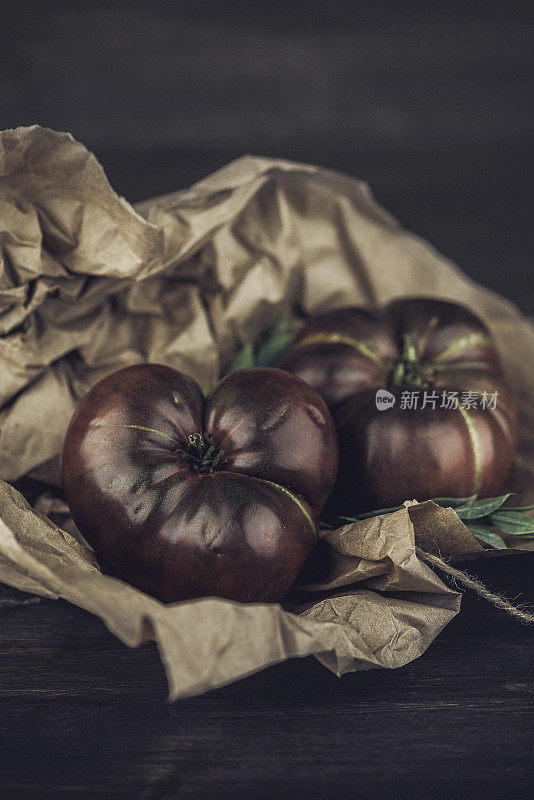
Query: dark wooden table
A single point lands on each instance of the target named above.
(82, 716)
(434, 108)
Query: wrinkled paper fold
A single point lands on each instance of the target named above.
(387, 607)
(89, 284)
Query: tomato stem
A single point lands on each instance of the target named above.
(409, 369)
(201, 454)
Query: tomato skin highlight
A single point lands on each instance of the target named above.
(185, 497)
(389, 455)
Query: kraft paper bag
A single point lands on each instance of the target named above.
(89, 284)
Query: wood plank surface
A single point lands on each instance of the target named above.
(81, 715)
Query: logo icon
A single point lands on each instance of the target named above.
(384, 399)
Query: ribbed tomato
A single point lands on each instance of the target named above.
(186, 497)
(444, 423)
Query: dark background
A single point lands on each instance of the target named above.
(431, 103)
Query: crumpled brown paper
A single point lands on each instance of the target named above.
(382, 608)
(88, 285)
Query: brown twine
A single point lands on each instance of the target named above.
(497, 600)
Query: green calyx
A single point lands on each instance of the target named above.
(409, 369)
(412, 370)
(201, 455)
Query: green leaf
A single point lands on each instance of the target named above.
(468, 508)
(513, 522)
(481, 508)
(486, 535)
(243, 360)
(453, 502)
(276, 344)
(519, 508)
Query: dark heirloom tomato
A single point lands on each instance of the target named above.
(186, 497)
(391, 453)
